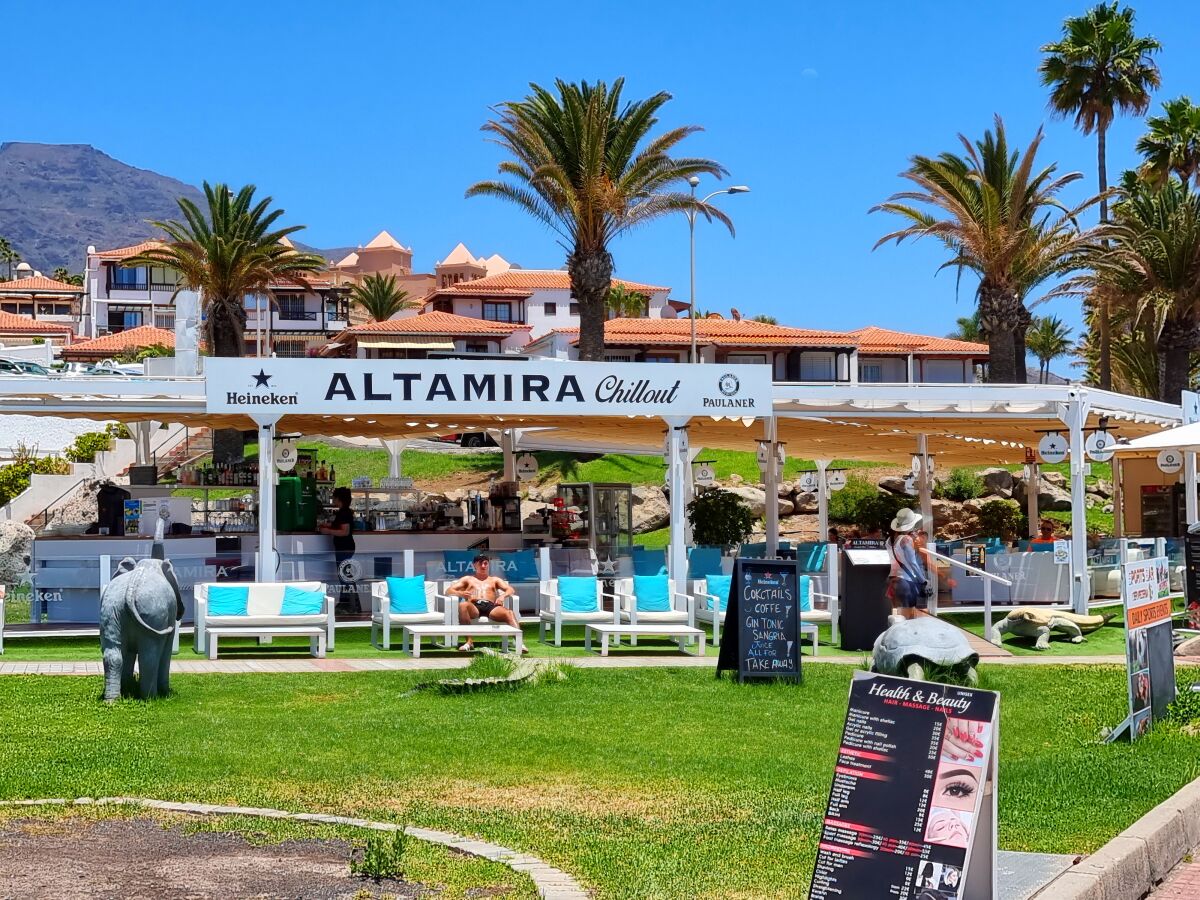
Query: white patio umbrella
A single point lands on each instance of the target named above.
(1185, 437)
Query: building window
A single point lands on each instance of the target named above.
(550, 309)
(132, 279)
(871, 373)
(618, 357)
(575, 309)
(291, 308)
(476, 348)
(817, 367)
(162, 277)
(497, 312)
(291, 349)
(661, 357)
(749, 359)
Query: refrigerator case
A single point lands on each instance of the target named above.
(1163, 512)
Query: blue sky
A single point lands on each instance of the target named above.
(363, 116)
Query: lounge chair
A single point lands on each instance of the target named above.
(574, 600)
(396, 602)
(653, 600)
(712, 596)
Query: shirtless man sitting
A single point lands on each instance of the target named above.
(483, 598)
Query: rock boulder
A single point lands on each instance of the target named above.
(651, 510)
(756, 499)
(997, 482)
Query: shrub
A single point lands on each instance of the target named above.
(383, 857)
(861, 503)
(719, 519)
(1185, 708)
(1001, 518)
(87, 445)
(14, 478)
(119, 430)
(963, 484)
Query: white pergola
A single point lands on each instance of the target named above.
(956, 424)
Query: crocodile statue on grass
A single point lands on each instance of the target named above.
(1030, 622)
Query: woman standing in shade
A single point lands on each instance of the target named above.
(908, 586)
(341, 528)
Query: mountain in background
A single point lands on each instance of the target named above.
(56, 199)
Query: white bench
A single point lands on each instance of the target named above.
(263, 619)
(414, 634)
(315, 635)
(681, 633)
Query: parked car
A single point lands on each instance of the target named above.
(21, 367)
(476, 439)
(109, 367)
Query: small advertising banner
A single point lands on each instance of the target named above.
(912, 808)
(762, 631)
(1146, 592)
(976, 558)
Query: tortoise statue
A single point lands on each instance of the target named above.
(1026, 621)
(910, 647)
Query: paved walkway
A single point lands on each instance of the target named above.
(552, 883)
(248, 666)
(1184, 881)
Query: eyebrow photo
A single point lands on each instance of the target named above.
(955, 787)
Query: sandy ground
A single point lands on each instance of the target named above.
(139, 858)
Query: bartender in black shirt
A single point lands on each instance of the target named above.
(341, 529)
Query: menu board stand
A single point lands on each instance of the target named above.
(912, 806)
(761, 638)
(1149, 651)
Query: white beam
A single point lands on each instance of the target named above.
(771, 488)
(1033, 480)
(506, 450)
(676, 460)
(822, 498)
(268, 559)
(1073, 414)
(925, 487)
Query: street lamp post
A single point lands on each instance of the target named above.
(694, 182)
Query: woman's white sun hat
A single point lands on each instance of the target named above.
(906, 520)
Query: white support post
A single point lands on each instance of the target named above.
(676, 458)
(1189, 488)
(395, 448)
(409, 564)
(1074, 414)
(771, 488)
(822, 499)
(1033, 480)
(925, 488)
(692, 454)
(1118, 499)
(267, 564)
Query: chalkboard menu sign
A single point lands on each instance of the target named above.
(912, 808)
(1191, 556)
(762, 621)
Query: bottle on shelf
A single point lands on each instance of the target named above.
(332, 474)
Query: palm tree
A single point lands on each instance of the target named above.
(1000, 218)
(227, 252)
(1151, 264)
(8, 255)
(967, 328)
(1172, 145)
(582, 162)
(1048, 339)
(622, 302)
(1098, 68)
(765, 319)
(381, 298)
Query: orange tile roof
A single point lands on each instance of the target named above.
(126, 252)
(535, 280)
(873, 339)
(435, 323)
(119, 341)
(722, 332)
(38, 284)
(11, 323)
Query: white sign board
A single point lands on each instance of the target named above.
(526, 466)
(703, 475)
(807, 484)
(1052, 448)
(1170, 461)
(285, 455)
(837, 479)
(445, 387)
(1100, 446)
(1062, 553)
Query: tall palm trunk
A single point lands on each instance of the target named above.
(591, 276)
(1176, 343)
(226, 337)
(1000, 311)
(1104, 313)
(1023, 321)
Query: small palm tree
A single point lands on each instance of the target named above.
(8, 255)
(967, 328)
(999, 217)
(1172, 143)
(1048, 339)
(765, 319)
(623, 302)
(226, 252)
(61, 274)
(381, 298)
(583, 163)
(1098, 68)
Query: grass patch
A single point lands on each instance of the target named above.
(721, 797)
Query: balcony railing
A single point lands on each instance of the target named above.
(142, 286)
(297, 315)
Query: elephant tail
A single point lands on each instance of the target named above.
(131, 601)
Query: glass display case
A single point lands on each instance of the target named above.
(594, 515)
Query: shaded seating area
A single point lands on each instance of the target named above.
(397, 602)
(264, 610)
(574, 600)
(647, 601)
(712, 600)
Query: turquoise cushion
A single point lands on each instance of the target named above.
(299, 602)
(649, 562)
(406, 596)
(805, 593)
(228, 600)
(652, 592)
(704, 561)
(718, 585)
(579, 594)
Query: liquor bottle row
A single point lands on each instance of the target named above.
(240, 474)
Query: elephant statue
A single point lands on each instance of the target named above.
(138, 612)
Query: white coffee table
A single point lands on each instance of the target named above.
(451, 632)
(605, 630)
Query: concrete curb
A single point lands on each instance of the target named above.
(552, 883)
(1134, 862)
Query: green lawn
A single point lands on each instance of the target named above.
(1108, 640)
(643, 782)
(451, 875)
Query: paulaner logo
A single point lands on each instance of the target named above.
(261, 380)
(729, 385)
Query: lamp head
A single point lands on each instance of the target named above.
(694, 181)
(739, 189)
